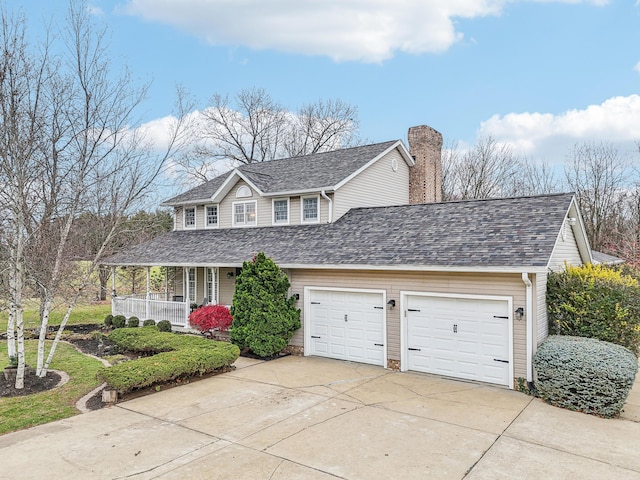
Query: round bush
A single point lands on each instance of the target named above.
(164, 326)
(584, 374)
(133, 322)
(211, 317)
(119, 321)
(108, 321)
(149, 323)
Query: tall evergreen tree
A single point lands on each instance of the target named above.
(264, 318)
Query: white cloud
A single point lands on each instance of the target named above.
(637, 66)
(370, 31)
(95, 10)
(550, 136)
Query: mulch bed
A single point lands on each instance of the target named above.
(32, 384)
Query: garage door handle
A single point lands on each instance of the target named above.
(413, 310)
(379, 344)
(501, 361)
(499, 316)
(314, 336)
(315, 303)
(415, 349)
(379, 307)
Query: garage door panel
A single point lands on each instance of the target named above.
(458, 337)
(353, 323)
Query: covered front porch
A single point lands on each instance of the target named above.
(190, 287)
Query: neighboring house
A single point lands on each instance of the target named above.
(381, 277)
(605, 258)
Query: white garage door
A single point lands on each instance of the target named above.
(459, 337)
(347, 325)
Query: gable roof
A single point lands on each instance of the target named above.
(509, 234)
(313, 172)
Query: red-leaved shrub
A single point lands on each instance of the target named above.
(211, 317)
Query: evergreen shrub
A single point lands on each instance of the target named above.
(595, 301)
(172, 357)
(119, 321)
(264, 318)
(133, 322)
(584, 374)
(164, 326)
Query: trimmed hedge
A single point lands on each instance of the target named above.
(595, 301)
(149, 323)
(584, 374)
(108, 321)
(177, 356)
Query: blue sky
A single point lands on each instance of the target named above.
(541, 75)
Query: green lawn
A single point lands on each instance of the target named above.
(23, 412)
(82, 313)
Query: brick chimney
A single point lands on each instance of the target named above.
(425, 177)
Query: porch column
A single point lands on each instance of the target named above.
(148, 306)
(113, 290)
(166, 283)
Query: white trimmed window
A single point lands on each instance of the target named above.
(191, 285)
(245, 214)
(310, 211)
(212, 285)
(281, 211)
(190, 217)
(211, 216)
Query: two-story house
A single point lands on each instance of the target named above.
(384, 272)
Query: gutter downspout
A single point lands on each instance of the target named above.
(330, 202)
(529, 327)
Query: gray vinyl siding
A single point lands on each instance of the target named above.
(227, 285)
(178, 218)
(541, 307)
(377, 186)
(225, 209)
(565, 250)
(395, 282)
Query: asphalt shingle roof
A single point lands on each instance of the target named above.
(509, 232)
(308, 172)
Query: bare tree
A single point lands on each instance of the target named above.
(321, 126)
(252, 127)
(22, 76)
(598, 173)
(67, 147)
(489, 169)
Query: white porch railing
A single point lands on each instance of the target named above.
(161, 296)
(176, 312)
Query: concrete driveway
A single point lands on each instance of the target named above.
(313, 418)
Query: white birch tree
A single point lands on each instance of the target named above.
(69, 145)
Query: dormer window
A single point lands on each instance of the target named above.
(244, 192)
(190, 217)
(310, 209)
(245, 214)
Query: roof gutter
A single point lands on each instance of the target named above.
(330, 202)
(529, 327)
